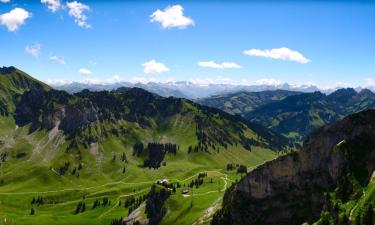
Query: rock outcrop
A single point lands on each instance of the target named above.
(290, 189)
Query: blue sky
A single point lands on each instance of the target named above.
(325, 43)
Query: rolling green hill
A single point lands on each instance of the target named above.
(297, 116)
(92, 157)
(240, 103)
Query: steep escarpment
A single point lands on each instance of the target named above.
(336, 162)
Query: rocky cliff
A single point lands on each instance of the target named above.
(291, 189)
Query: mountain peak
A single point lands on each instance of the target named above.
(6, 70)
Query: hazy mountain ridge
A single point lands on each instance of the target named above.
(185, 89)
(240, 103)
(332, 173)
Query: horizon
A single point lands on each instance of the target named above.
(324, 44)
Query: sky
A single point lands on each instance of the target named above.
(325, 43)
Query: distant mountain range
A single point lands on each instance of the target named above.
(294, 114)
(190, 90)
(298, 115)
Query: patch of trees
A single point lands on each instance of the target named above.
(37, 201)
(155, 208)
(210, 134)
(97, 203)
(155, 152)
(124, 158)
(75, 171)
(21, 155)
(63, 169)
(3, 156)
(138, 149)
(81, 207)
(196, 182)
(230, 166)
(240, 168)
(133, 203)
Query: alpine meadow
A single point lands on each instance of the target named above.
(187, 113)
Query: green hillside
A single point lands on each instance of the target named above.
(92, 157)
(13, 83)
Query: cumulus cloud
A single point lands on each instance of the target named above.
(58, 59)
(53, 5)
(268, 82)
(84, 71)
(14, 19)
(223, 65)
(33, 50)
(278, 53)
(152, 67)
(77, 10)
(171, 17)
(4, 1)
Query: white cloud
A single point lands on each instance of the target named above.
(87, 80)
(53, 5)
(4, 1)
(278, 53)
(14, 19)
(209, 81)
(172, 16)
(33, 50)
(58, 59)
(58, 82)
(77, 10)
(224, 65)
(84, 71)
(268, 82)
(152, 67)
(143, 80)
(370, 82)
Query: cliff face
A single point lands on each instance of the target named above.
(290, 189)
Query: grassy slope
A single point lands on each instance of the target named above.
(12, 83)
(32, 176)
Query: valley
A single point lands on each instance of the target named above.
(52, 163)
